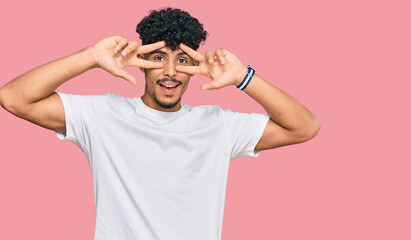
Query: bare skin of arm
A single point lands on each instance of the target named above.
(31, 95)
(290, 122)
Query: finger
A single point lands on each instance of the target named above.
(125, 75)
(192, 53)
(137, 62)
(189, 69)
(211, 85)
(131, 46)
(121, 43)
(220, 54)
(209, 55)
(151, 47)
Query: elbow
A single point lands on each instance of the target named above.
(1, 98)
(310, 131)
(5, 102)
(314, 129)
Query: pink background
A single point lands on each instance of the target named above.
(347, 61)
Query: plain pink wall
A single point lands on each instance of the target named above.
(347, 61)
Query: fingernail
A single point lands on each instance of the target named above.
(115, 50)
(222, 60)
(124, 53)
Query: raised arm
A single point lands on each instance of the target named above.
(290, 122)
(31, 95)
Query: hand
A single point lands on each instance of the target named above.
(221, 66)
(114, 53)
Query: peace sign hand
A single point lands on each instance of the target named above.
(221, 66)
(115, 53)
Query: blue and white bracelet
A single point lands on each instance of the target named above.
(247, 78)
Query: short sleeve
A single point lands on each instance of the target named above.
(244, 131)
(79, 111)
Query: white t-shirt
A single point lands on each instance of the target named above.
(158, 175)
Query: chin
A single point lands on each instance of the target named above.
(166, 104)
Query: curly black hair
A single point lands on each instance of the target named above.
(173, 26)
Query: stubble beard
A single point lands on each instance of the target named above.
(165, 105)
(161, 104)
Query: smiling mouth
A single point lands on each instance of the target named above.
(169, 86)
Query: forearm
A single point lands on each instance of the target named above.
(290, 122)
(284, 110)
(42, 81)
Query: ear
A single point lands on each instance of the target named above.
(141, 56)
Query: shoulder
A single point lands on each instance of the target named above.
(97, 102)
(118, 103)
(111, 97)
(203, 116)
(84, 99)
(215, 110)
(205, 107)
(206, 110)
(85, 102)
(215, 113)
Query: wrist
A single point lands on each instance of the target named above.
(91, 57)
(241, 75)
(247, 78)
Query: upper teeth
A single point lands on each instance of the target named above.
(169, 85)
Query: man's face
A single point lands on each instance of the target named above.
(165, 86)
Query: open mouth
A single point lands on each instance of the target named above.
(169, 86)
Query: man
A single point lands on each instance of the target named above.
(159, 167)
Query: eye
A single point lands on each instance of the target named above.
(182, 60)
(159, 58)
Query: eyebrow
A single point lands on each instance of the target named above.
(162, 52)
(157, 51)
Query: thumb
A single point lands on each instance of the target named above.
(126, 75)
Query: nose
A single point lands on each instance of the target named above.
(170, 69)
